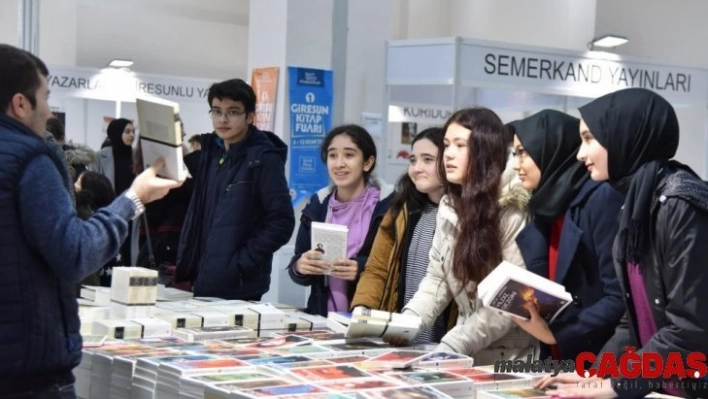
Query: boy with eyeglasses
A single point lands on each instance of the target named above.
(240, 213)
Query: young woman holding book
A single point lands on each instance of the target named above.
(629, 138)
(399, 257)
(570, 238)
(355, 200)
(477, 222)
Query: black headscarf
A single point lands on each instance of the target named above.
(122, 155)
(552, 140)
(640, 131)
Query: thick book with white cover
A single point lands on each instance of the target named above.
(161, 135)
(354, 326)
(331, 240)
(509, 287)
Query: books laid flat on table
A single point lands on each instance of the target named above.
(363, 323)
(330, 240)
(161, 135)
(509, 287)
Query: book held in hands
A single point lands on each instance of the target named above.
(330, 240)
(509, 287)
(161, 136)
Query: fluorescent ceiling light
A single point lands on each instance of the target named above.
(117, 63)
(609, 41)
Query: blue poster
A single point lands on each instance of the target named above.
(311, 94)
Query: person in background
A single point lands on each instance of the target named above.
(399, 257)
(46, 248)
(195, 143)
(477, 224)
(355, 199)
(240, 213)
(78, 157)
(93, 192)
(570, 238)
(629, 138)
(116, 163)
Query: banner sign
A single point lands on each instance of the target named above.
(575, 74)
(311, 94)
(265, 83)
(117, 85)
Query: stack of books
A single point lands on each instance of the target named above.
(133, 292)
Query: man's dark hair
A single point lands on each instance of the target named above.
(236, 90)
(19, 74)
(56, 128)
(197, 138)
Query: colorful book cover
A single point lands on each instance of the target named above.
(210, 364)
(406, 392)
(302, 349)
(280, 342)
(279, 360)
(349, 359)
(284, 390)
(514, 295)
(253, 384)
(400, 358)
(431, 377)
(232, 377)
(355, 346)
(334, 372)
(358, 384)
(310, 363)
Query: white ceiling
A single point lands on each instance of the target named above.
(221, 11)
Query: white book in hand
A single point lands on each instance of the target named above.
(161, 136)
(509, 287)
(330, 239)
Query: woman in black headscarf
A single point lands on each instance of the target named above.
(629, 138)
(570, 238)
(116, 163)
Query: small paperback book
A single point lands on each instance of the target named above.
(330, 240)
(161, 135)
(509, 287)
(399, 358)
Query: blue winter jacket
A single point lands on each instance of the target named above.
(45, 251)
(253, 217)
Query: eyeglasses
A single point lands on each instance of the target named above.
(230, 114)
(520, 154)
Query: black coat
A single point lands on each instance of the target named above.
(316, 210)
(253, 219)
(584, 267)
(675, 277)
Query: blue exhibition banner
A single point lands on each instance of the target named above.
(310, 106)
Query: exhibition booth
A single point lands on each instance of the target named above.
(427, 79)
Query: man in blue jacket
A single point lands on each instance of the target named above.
(46, 249)
(240, 213)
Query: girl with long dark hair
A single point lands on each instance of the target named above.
(477, 223)
(399, 257)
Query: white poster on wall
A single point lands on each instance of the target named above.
(405, 122)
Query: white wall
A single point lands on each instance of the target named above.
(168, 45)
(58, 26)
(548, 23)
(672, 31)
(680, 39)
